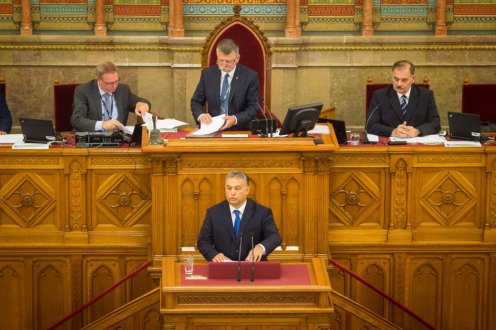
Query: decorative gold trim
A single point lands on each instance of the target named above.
(98, 47)
(382, 48)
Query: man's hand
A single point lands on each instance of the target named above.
(220, 258)
(205, 118)
(403, 130)
(141, 108)
(3, 133)
(230, 122)
(257, 253)
(111, 124)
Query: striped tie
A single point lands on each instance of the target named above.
(404, 105)
(224, 95)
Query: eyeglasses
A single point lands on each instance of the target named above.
(111, 83)
(226, 62)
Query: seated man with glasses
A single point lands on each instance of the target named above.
(104, 103)
(229, 89)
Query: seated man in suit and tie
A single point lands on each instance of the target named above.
(238, 216)
(229, 89)
(403, 109)
(5, 116)
(104, 103)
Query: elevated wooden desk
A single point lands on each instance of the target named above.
(244, 304)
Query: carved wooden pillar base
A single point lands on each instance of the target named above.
(441, 30)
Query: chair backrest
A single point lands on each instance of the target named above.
(476, 99)
(63, 96)
(254, 49)
(370, 88)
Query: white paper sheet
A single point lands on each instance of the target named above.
(22, 145)
(214, 126)
(11, 138)
(428, 139)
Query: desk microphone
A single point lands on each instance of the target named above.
(271, 119)
(239, 257)
(262, 110)
(252, 278)
(367, 122)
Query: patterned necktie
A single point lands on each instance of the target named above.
(224, 95)
(108, 111)
(237, 222)
(404, 105)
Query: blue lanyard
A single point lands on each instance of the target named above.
(105, 105)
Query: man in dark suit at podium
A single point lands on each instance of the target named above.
(229, 89)
(5, 116)
(403, 109)
(235, 222)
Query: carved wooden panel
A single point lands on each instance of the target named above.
(467, 292)
(100, 274)
(13, 315)
(357, 198)
(377, 271)
(424, 287)
(51, 291)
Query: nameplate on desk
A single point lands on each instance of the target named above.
(229, 270)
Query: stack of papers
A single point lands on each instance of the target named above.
(462, 144)
(164, 125)
(428, 139)
(214, 126)
(22, 145)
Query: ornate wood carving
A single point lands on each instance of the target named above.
(232, 299)
(400, 194)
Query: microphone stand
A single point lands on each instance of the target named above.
(271, 119)
(263, 132)
(239, 258)
(252, 262)
(367, 122)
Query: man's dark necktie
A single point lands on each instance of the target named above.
(108, 111)
(237, 222)
(404, 105)
(224, 95)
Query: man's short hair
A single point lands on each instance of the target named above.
(105, 67)
(226, 46)
(238, 174)
(403, 64)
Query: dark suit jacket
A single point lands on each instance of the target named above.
(217, 232)
(421, 113)
(87, 105)
(243, 96)
(5, 116)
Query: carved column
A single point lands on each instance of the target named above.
(367, 25)
(100, 26)
(440, 28)
(176, 23)
(293, 19)
(26, 26)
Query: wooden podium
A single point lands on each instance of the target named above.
(228, 304)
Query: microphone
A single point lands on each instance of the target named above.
(239, 257)
(374, 109)
(252, 261)
(271, 119)
(264, 132)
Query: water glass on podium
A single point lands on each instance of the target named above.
(188, 265)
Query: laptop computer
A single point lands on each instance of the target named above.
(465, 126)
(38, 130)
(339, 128)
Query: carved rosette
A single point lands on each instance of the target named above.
(27, 199)
(76, 198)
(169, 165)
(123, 200)
(449, 196)
(400, 179)
(353, 198)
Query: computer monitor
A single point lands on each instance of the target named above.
(300, 119)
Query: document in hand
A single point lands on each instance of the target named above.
(214, 126)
